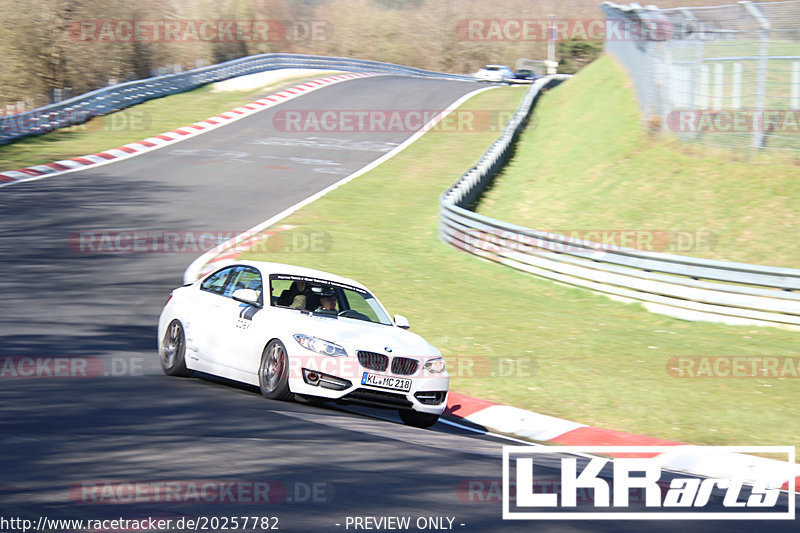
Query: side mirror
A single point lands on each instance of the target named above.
(247, 296)
(401, 322)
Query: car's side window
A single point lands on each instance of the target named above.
(281, 288)
(245, 278)
(216, 282)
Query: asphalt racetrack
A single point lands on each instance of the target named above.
(129, 442)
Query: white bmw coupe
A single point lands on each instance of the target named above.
(292, 330)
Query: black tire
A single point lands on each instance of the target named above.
(172, 351)
(273, 372)
(417, 419)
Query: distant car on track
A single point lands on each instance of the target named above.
(523, 76)
(495, 73)
(293, 330)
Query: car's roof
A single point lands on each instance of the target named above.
(496, 66)
(267, 267)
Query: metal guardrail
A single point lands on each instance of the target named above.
(81, 108)
(686, 287)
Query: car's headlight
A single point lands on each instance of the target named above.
(315, 344)
(434, 366)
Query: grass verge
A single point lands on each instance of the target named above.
(513, 338)
(589, 165)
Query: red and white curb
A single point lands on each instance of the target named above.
(152, 143)
(685, 457)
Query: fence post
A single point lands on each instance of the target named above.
(669, 90)
(692, 23)
(736, 82)
(763, 58)
(719, 83)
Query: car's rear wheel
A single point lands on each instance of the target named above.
(172, 351)
(417, 419)
(273, 372)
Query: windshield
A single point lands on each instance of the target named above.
(325, 297)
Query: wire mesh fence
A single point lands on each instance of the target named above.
(726, 75)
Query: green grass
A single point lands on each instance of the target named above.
(588, 164)
(521, 340)
(129, 125)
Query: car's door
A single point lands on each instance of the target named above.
(231, 330)
(203, 313)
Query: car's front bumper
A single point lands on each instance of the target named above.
(342, 378)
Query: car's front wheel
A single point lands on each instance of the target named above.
(273, 372)
(417, 419)
(172, 351)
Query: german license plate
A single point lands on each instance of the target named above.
(386, 382)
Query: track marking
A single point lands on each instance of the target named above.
(198, 266)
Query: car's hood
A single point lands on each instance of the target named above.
(354, 335)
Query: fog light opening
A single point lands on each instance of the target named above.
(311, 377)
